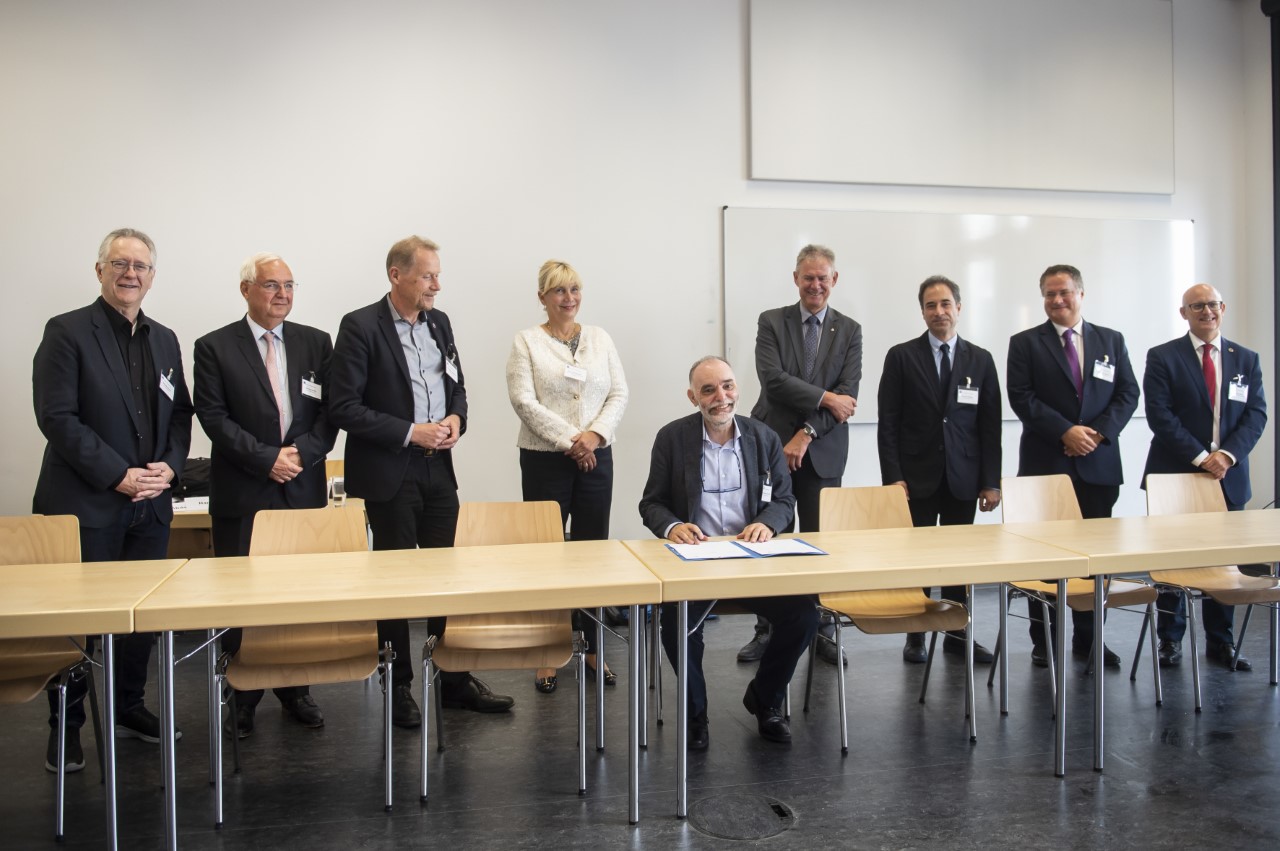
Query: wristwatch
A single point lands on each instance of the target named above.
(809, 430)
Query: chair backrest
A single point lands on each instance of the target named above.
(1030, 499)
(851, 509)
(488, 523)
(39, 539)
(309, 530)
(1184, 493)
(334, 467)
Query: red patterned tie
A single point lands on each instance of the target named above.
(1210, 375)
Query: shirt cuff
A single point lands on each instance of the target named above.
(1199, 459)
(408, 437)
(1229, 455)
(667, 531)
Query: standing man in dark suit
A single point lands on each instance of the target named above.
(809, 361)
(713, 473)
(397, 390)
(939, 432)
(1206, 412)
(1071, 384)
(259, 387)
(111, 400)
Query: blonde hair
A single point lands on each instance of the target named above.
(557, 273)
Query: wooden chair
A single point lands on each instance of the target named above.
(1031, 499)
(306, 654)
(29, 666)
(887, 612)
(1200, 493)
(510, 640)
(334, 467)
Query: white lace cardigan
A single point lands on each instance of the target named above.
(553, 407)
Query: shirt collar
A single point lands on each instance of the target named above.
(935, 343)
(257, 330)
(118, 320)
(395, 314)
(733, 438)
(1062, 329)
(805, 314)
(1196, 342)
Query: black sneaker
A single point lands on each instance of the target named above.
(75, 755)
(139, 723)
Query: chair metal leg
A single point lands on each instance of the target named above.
(580, 661)
(971, 702)
(60, 793)
(107, 745)
(1137, 651)
(928, 664)
(97, 720)
(808, 680)
(439, 701)
(1052, 656)
(840, 677)
(1150, 617)
(1195, 653)
(387, 693)
(214, 706)
(1004, 650)
(428, 674)
(1244, 627)
(638, 648)
(600, 669)
(655, 665)
(635, 711)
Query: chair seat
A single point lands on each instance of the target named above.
(301, 644)
(23, 658)
(1120, 592)
(1227, 585)
(552, 655)
(896, 611)
(509, 630)
(245, 677)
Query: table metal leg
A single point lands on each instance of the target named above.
(600, 679)
(1060, 714)
(682, 710)
(970, 699)
(642, 639)
(1099, 621)
(108, 743)
(1004, 650)
(215, 733)
(1275, 633)
(167, 755)
(635, 689)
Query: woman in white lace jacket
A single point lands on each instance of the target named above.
(567, 386)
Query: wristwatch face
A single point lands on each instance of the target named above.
(813, 435)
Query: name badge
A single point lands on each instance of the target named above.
(311, 389)
(451, 370)
(1237, 390)
(166, 386)
(1104, 370)
(966, 395)
(766, 493)
(576, 373)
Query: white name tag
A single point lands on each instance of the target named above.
(966, 395)
(575, 373)
(166, 386)
(451, 370)
(311, 389)
(1238, 392)
(1104, 371)
(766, 493)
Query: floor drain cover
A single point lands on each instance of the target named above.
(741, 816)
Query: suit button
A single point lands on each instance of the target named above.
(575, 395)
(944, 420)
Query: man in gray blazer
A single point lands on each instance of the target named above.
(809, 361)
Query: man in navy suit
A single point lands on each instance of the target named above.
(259, 387)
(939, 431)
(1071, 384)
(397, 390)
(809, 362)
(714, 473)
(111, 400)
(1206, 411)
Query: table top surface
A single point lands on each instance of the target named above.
(335, 587)
(1136, 544)
(866, 560)
(77, 598)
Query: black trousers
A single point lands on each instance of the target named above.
(807, 486)
(585, 499)
(423, 513)
(942, 508)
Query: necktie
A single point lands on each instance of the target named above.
(1210, 375)
(944, 374)
(273, 376)
(1073, 360)
(810, 347)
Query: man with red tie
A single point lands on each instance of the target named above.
(1206, 411)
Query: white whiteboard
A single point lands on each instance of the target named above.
(1032, 94)
(1135, 272)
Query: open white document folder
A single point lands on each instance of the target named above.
(741, 549)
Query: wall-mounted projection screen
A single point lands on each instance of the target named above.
(1029, 94)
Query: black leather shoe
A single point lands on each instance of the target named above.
(914, 650)
(754, 649)
(304, 710)
(1170, 654)
(404, 709)
(827, 650)
(699, 735)
(954, 645)
(74, 754)
(476, 696)
(243, 726)
(1109, 657)
(770, 721)
(139, 723)
(1039, 656)
(1224, 654)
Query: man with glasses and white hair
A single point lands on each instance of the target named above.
(714, 473)
(1206, 411)
(260, 384)
(111, 400)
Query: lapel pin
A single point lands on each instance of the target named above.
(1106, 358)
(968, 382)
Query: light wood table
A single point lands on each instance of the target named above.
(1117, 545)
(862, 561)
(89, 598)
(294, 589)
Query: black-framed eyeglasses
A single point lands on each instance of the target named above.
(732, 482)
(123, 266)
(1199, 306)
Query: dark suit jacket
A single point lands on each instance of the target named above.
(85, 410)
(238, 411)
(1043, 396)
(920, 435)
(371, 397)
(787, 401)
(1180, 420)
(674, 489)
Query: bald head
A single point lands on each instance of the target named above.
(1203, 307)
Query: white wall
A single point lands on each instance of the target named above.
(609, 135)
